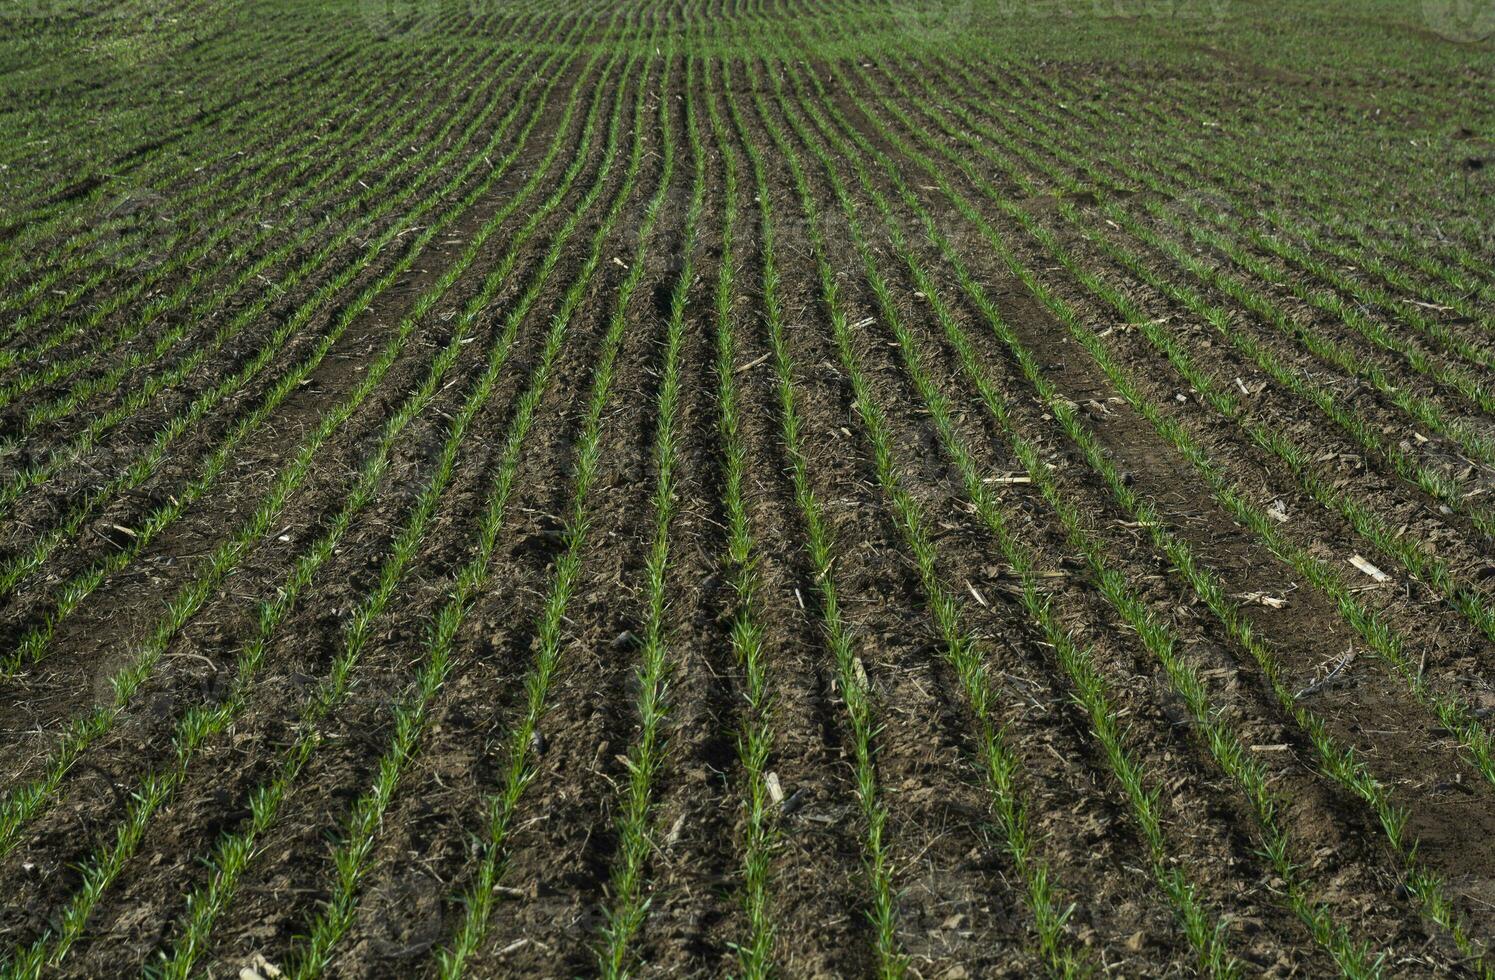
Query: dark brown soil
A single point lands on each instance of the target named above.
(1077, 131)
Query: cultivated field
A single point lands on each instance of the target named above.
(815, 488)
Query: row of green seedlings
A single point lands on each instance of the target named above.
(1446, 254)
(1388, 182)
(706, 32)
(1458, 285)
(1464, 433)
(34, 644)
(1435, 570)
(233, 854)
(283, 120)
(24, 146)
(1342, 296)
(520, 761)
(354, 857)
(108, 259)
(820, 548)
(153, 159)
(755, 741)
(135, 134)
(25, 802)
(747, 27)
(13, 570)
(38, 473)
(645, 756)
(1337, 761)
(1202, 929)
(191, 210)
(270, 114)
(56, 33)
(1429, 414)
(1441, 289)
(1077, 664)
(1431, 569)
(248, 165)
(88, 257)
(75, 64)
(206, 302)
(402, 119)
(1000, 763)
(1353, 957)
(1347, 210)
(204, 722)
(1239, 176)
(1432, 481)
(1376, 629)
(1348, 311)
(33, 226)
(295, 113)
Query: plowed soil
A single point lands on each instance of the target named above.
(1119, 386)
